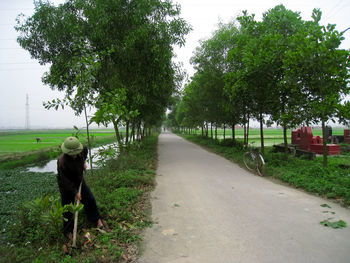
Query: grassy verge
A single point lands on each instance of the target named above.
(32, 233)
(330, 182)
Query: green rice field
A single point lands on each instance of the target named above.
(21, 141)
(272, 136)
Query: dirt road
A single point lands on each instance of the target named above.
(207, 209)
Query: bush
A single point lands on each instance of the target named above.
(232, 143)
(39, 222)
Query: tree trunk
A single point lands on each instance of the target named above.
(261, 133)
(133, 131)
(88, 137)
(245, 133)
(202, 131)
(143, 131)
(247, 130)
(233, 132)
(216, 131)
(224, 131)
(285, 139)
(211, 130)
(325, 153)
(127, 133)
(117, 133)
(138, 131)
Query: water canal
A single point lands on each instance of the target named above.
(51, 166)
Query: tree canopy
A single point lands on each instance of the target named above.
(113, 55)
(282, 69)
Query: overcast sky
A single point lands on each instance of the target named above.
(21, 75)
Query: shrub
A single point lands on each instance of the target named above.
(232, 143)
(39, 222)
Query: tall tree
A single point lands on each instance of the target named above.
(251, 75)
(127, 45)
(323, 71)
(281, 25)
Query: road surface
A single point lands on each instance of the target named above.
(207, 209)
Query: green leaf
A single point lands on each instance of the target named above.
(337, 224)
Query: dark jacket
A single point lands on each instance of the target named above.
(70, 172)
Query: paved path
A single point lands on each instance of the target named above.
(207, 209)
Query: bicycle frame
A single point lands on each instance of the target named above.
(254, 161)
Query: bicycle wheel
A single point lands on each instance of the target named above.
(249, 160)
(260, 164)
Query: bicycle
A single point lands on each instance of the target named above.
(253, 160)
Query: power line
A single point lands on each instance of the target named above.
(15, 9)
(14, 69)
(335, 6)
(336, 9)
(16, 63)
(6, 48)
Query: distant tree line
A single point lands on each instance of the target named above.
(112, 55)
(282, 69)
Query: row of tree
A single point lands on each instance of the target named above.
(282, 69)
(112, 55)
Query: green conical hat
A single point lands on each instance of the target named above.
(71, 146)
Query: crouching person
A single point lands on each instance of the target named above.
(70, 170)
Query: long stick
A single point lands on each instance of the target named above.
(76, 220)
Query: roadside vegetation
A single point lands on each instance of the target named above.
(31, 214)
(331, 182)
(282, 70)
(272, 136)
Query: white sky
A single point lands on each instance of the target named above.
(20, 75)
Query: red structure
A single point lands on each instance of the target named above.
(306, 141)
(347, 136)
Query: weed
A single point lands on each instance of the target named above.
(39, 222)
(337, 224)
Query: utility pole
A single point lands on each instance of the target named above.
(27, 126)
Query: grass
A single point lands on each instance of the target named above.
(121, 189)
(25, 141)
(271, 135)
(330, 182)
(20, 148)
